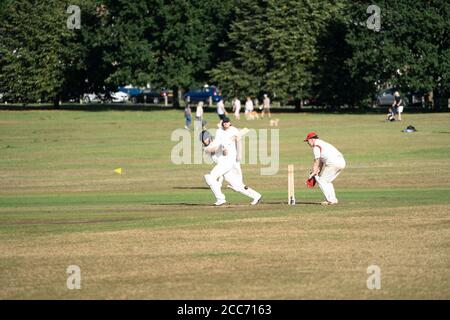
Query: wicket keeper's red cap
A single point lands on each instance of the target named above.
(311, 135)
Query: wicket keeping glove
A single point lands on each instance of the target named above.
(311, 181)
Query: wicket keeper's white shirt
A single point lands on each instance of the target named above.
(326, 152)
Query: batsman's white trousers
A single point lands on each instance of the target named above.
(328, 173)
(232, 173)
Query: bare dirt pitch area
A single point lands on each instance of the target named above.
(151, 232)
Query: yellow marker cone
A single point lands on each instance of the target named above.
(118, 170)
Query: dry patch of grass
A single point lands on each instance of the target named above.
(152, 233)
(296, 256)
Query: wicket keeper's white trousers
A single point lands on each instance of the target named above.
(233, 175)
(328, 173)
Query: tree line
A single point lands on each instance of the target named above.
(291, 49)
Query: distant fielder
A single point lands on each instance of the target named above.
(225, 152)
(328, 164)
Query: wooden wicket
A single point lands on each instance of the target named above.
(291, 185)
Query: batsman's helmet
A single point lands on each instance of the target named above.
(204, 135)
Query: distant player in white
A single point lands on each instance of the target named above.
(237, 108)
(266, 106)
(249, 109)
(328, 164)
(249, 105)
(221, 112)
(224, 152)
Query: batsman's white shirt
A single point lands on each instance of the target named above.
(327, 153)
(215, 156)
(225, 139)
(226, 164)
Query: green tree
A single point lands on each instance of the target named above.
(87, 70)
(164, 43)
(125, 38)
(411, 51)
(33, 51)
(272, 47)
(185, 39)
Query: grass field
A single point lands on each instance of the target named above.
(151, 232)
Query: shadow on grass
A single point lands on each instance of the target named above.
(45, 222)
(191, 188)
(228, 205)
(100, 107)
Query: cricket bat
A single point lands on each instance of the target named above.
(242, 133)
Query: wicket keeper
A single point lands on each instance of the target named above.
(327, 165)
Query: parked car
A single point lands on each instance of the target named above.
(92, 97)
(141, 95)
(386, 97)
(203, 94)
(109, 97)
(117, 97)
(130, 90)
(147, 96)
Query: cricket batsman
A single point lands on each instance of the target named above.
(328, 164)
(225, 152)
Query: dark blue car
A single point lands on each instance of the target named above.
(203, 94)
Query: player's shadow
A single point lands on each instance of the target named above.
(297, 202)
(308, 202)
(229, 205)
(180, 204)
(192, 188)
